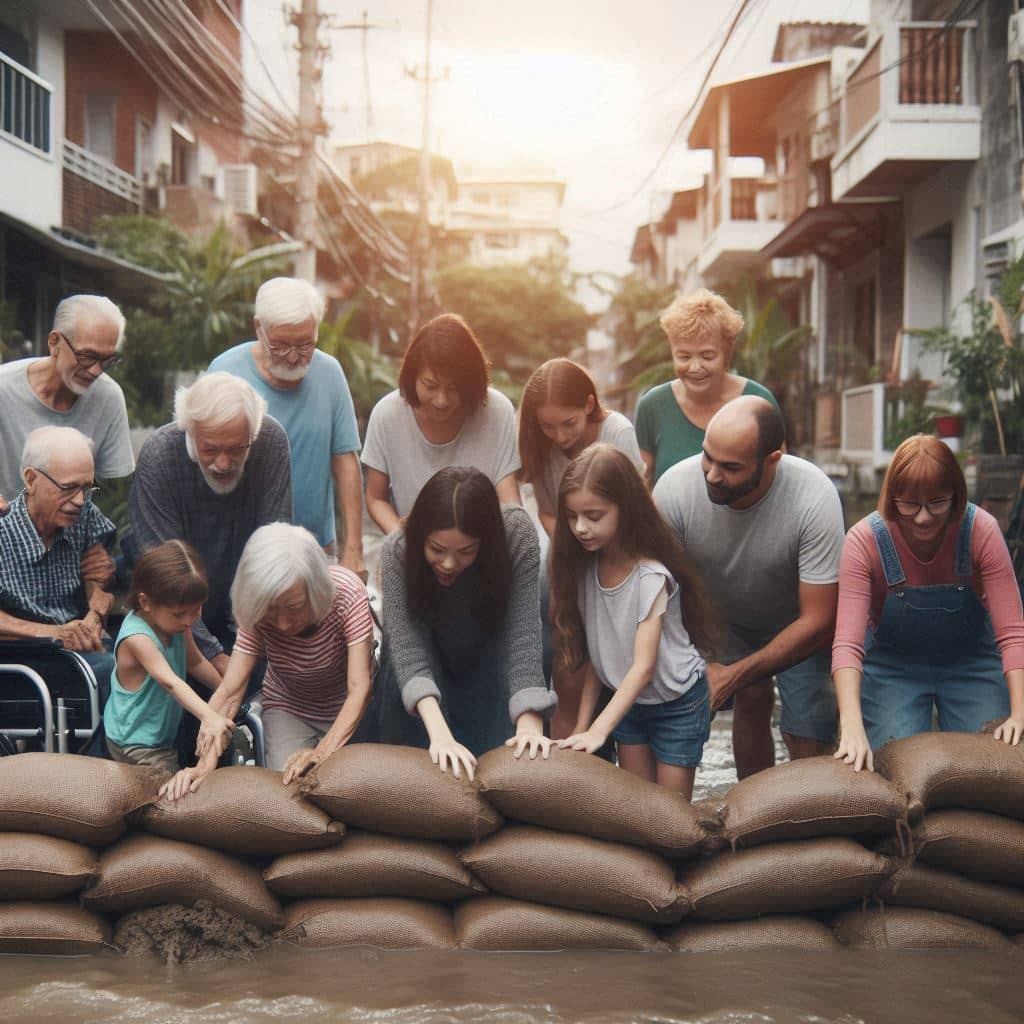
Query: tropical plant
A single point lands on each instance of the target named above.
(632, 317)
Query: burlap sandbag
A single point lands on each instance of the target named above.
(536, 864)
(42, 867)
(145, 871)
(383, 923)
(929, 888)
(366, 864)
(783, 878)
(51, 929)
(244, 810)
(575, 792)
(987, 847)
(956, 769)
(910, 928)
(397, 790)
(84, 799)
(772, 932)
(815, 796)
(496, 923)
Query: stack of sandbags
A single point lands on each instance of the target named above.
(789, 845)
(961, 881)
(56, 811)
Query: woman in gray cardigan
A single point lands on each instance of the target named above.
(462, 643)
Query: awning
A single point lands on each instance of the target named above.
(840, 233)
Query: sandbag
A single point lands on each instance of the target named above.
(84, 799)
(42, 867)
(783, 878)
(579, 873)
(815, 796)
(987, 847)
(934, 889)
(772, 932)
(496, 923)
(956, 769)
(243, 809)
(366, 864)
(397, 790)
(910, 928)
(384, 923)
(575, 792)
(145, 871)
(51, 929)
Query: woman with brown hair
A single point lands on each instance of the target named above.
(929, 612)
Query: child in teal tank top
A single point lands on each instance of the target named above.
(154, 650)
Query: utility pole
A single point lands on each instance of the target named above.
(307, 21)
(364, 27)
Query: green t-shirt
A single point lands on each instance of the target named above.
(664, 431)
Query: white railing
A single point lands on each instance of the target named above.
(25, 106)
(101, 172)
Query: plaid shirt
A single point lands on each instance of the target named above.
(40, 584)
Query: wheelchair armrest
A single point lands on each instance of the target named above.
(29, 645)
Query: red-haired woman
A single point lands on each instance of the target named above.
(928, 579)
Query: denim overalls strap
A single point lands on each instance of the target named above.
(891, 565)
(962, 566)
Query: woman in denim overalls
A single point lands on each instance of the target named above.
(929, 612)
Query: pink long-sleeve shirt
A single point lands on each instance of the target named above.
(862, 589)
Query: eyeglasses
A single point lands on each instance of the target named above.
(88, 359)
(207, 453)
(69, 490)
(909, 509)
(303, 351)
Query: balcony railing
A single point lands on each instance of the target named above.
(25, 103)
(931, 68)
(101, 172)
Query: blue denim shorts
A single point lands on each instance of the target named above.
(675, 731)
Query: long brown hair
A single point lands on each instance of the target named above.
(171, 574)
(923, 463)
(643, 533)
(556, 382)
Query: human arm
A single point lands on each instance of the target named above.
(348, 498)
(508, 490)
(349, 715)
(96, 566)
(853, 748)
(648, 459)
(77, 635)
(228, 696)
(530, 736)
(188, 779)
(444, 750)
(378, 501)
(1013, 728)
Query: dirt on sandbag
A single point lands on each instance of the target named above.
(497, 923)
(575, 792)
(910, 928)
(200, 934)
(398, 790)
(43, 867)
(956, 769)
(928, 888)
(776, 931)
(84, 799)
(367, 864)
(51, 929)
(244, 809)
(812, 797)
(783, 878)
(577, 872)
(381, 923)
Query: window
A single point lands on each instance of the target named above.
(183, 148)
(101, 125)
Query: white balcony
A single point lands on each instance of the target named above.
(732, 243)
(907, 108)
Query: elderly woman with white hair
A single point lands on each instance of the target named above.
(311, 621)
(212, 478)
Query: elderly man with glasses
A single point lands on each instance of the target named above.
(307, 393)
(69, 388)
(50, 527)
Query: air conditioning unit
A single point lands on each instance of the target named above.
(1015, 37)
(239, 188)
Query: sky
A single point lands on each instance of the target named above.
(591, 92)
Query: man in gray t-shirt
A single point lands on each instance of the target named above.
(766, 531)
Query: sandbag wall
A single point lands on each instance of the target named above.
(378, 848)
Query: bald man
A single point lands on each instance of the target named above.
(766, 531)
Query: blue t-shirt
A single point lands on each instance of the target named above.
(148, 716)
(320, 421)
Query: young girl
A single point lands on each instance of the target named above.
(154, 649)
(631, 611)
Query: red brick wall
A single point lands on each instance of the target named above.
(84, 202)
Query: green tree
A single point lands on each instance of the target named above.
(633, 310)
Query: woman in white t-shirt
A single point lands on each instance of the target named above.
(443, 414)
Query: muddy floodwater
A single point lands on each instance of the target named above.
(430, 987)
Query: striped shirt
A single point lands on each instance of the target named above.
(307, 675)
(45, 584)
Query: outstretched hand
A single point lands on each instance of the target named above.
(186, 781)
(855, 750)
(1010, 731)
(589, 741)
(454, 754)
(299, 763)
(534, 742)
